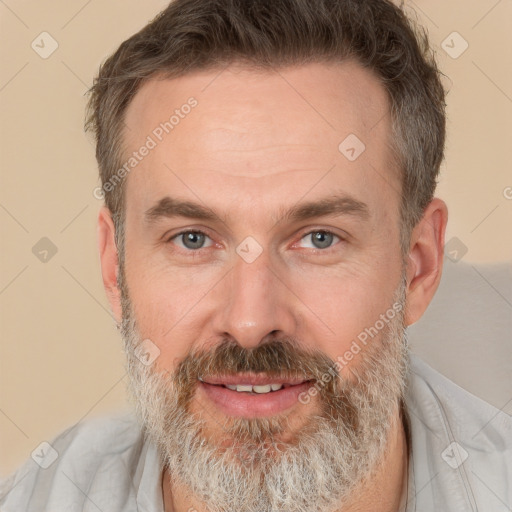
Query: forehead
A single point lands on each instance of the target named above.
(224, 134)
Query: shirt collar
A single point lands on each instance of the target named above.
(148, 479)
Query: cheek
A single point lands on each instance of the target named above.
(168, 305)
(346, 302)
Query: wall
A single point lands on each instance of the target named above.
(60, 355)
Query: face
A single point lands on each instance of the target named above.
(256, 153)
(262, 248)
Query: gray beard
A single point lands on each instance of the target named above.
(253, 470)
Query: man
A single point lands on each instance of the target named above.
(269, 231)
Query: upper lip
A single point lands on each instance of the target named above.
(252, 379)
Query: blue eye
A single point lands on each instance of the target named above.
(320, 239)
(192, 240)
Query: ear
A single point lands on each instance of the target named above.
(109, 260)
(425, 259)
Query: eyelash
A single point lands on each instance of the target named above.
(199, 232)
(195, 231)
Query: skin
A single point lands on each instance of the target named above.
(257, 144)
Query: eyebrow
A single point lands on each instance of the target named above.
(339, 204)
(169, 207)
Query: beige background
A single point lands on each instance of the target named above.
(60, 355)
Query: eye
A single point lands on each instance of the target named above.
(320, 239)
(191, 240)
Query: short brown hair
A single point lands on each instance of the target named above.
(192, 35)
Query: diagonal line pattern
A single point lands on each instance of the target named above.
(485, 218)
(486, 14)
(492, 81)
(14, 423)
(196, 303)
(399, 192)
(74, 74)
(85, 494)
(291, 291)
(102, 397)
(14, 76)
(74, 218)
(416, 6)
(379, 120)
(76, 14)
(87, 291)
(193, 192)
(490, 284)
(492, 419)
(489, 489)
(424, 487)
(304, 195)
(299, 94)
(14, 218)
(214, 78)
(14, 14)
(14, 475)
(13, 279)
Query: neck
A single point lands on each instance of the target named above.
(382, 491)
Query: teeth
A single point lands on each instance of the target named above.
(261, 389)
(241, 387)
(256, 389)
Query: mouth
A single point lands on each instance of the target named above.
(253, 396)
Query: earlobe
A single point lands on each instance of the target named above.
(425, 259)
(109, 260)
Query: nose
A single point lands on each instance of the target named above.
(254, 303)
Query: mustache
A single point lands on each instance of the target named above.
(283, 358)
(275, 358)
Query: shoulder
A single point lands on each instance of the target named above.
(467, 414)
(461, 445)
(92, 456)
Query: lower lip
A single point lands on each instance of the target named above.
(246, 405)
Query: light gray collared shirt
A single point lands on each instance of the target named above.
(460, 461)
